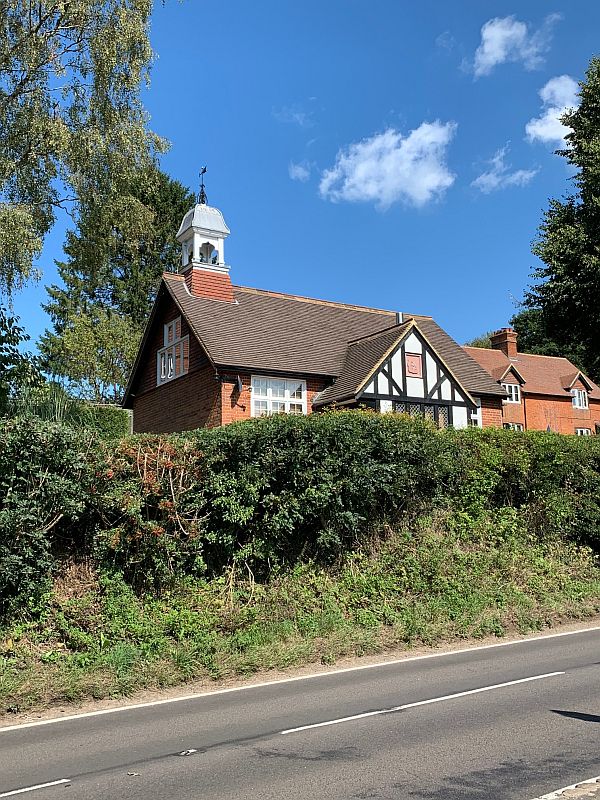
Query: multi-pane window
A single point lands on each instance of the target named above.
(580, 398)
(583, 431)
(514, 392)
(512, 426)
(277, 396)
(171, 359)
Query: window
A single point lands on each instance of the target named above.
(171, 359)
(514, 392)
(512, 426)
(583, 431)
(277, 396)
(580, 398)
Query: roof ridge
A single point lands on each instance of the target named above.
(519, 353)
(377, 334)
(314, 300)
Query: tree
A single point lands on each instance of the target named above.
(483, 341)
(115, 260)
(71, 120)
(563, 305)
(95, 355)
(17, 370)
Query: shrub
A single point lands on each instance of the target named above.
(46, 485)
(109, 422)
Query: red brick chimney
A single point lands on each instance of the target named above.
(506, 340)
(209, 283)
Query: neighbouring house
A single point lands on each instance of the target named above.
(213, 352)
(544, 393)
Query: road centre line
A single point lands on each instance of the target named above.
(558, 792)
(33, 788)
(419, 703)
(276, 682)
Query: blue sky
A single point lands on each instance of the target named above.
(384, 153)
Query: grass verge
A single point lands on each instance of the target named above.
(94, 638)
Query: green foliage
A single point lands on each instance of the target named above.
(265, 492)
(484, 340)
(422, 584)
(18, 371)
(109, 422)
(258, 496)
(71, 120)
(567, 288)
(94, 354)
(115, 260)
(46, 485)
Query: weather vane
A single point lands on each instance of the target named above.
(202, 196)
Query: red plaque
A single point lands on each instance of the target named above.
(414, 365)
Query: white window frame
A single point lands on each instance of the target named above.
(257, 397)
(166, 357)
(514, 392)
(513, 426)
(583, 431)
(580, 398)
(171, 326)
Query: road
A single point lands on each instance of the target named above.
(497, 723)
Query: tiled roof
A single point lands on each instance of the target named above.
(362, 358)
(547, 375)
(267, 331)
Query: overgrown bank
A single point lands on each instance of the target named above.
(277, 542)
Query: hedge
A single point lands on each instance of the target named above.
(271, 492)
(109, 422)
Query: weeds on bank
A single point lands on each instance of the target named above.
(451, 576)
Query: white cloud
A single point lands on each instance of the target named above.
(299, 172)
(505, 39)
(388, 167)
(558, 95)
(294, 115)
(499, 175)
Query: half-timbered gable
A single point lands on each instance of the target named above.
(399, 370)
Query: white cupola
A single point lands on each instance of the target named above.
(202, 235)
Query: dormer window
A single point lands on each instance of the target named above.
(514, 392)
(172, 358)
(580, 398)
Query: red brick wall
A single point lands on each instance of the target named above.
(237, 405)
(491, 412)
(542, 411)
(185, 403)
(190, 401)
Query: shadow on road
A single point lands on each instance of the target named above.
(578, 715)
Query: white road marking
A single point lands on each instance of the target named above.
(557, 793)
(33, 788)
(419, 703)
(198, 695)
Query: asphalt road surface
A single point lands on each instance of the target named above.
(497, 723)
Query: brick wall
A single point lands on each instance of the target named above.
(185, 403)
(542, 411)
(491, 412)
(189, 401)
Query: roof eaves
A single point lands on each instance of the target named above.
(142, 346)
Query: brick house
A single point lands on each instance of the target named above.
(544, 392)
(213, 352)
